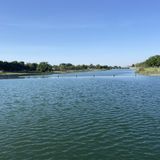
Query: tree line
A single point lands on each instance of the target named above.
(16, 66)
(153, 61)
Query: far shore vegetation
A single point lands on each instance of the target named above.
(149, 67)
(16, 69)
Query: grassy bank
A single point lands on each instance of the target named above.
(153, 71)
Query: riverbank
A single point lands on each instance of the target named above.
(150, 71)
(14, 75)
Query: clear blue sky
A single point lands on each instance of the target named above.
(113, 32)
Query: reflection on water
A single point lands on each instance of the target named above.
(87, 74)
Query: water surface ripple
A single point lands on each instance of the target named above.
(110, 118)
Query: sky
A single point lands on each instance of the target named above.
(108, 32)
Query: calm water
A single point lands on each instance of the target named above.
(83, 118)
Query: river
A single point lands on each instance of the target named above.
(103, 115)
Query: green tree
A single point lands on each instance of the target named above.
(153, 61)
(44, 67)
(31, 66)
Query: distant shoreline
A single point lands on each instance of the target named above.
(15, 75)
